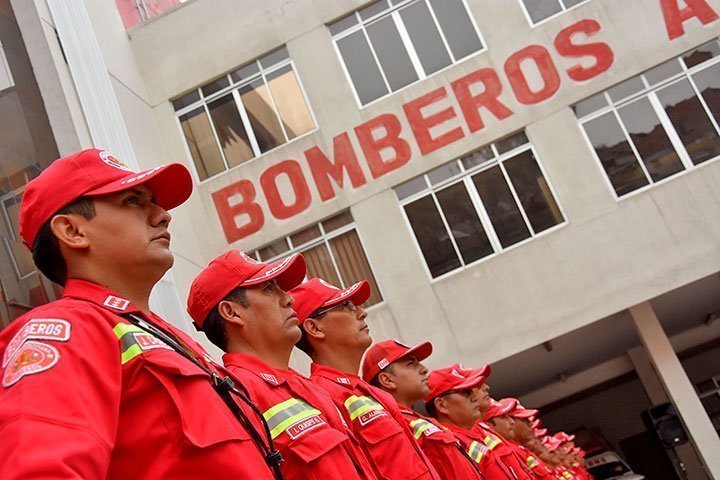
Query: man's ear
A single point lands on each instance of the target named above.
(232, 312)
(387, 381)
(69, 229)
(440, 405)
(313, 328)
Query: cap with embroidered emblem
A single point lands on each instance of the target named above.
(236, 269)
(445, 380)
(95, 172)
(316, 293)
(384, 353)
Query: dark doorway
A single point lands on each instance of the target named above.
(646, 456)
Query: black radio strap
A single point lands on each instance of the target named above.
(225, 388)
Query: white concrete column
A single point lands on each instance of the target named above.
(678, 387)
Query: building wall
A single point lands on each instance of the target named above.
(610, 255)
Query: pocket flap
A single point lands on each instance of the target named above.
(379, 430)
(313, 445)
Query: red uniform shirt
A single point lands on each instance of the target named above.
(85, 394)
(538, 468)
(304, 422)
(375, 419)
(441, 447)
(481, 448)
(506, 450)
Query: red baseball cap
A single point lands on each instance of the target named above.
(235, 269)
(449, 379)
(540, 432)
(384, 353)
(317, 293)
(500, 407)
(95, 172)
(483, 371)
(536, 423)
(522, 412)
(551, 443)
(563, 437)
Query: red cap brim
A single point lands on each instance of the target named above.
(358, 293)
(170, 184)
(524, 413)
(474, 380)
(289, 273)
(420, 352)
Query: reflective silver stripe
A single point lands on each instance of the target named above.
(359, 405)
(284, 414)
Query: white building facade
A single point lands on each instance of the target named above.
(527, 183)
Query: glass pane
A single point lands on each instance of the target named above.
(478, 157)
(275, 57)
(186, 100)
(443, 172)
(461, 216)
(702, 54)
(457, 27)
(542, 9)
(708, 84)
(391, 52)
(590, 105)
(513, 141)
(361, 67)
(320, 265)
(650, 139)
(663, 71)
(276, 248)
(244, 73)
(290, 102)
(343, 24)
(201, 143)
(304, 236)
(425, 37)
(353, 263)
(373, 9)
(533, 190)
(230, 130)
(212, 87)
(615, 153)
(411, 187)
(572, 3)
(264, 121)
(690, 121)
(432, 236)
(626, 88)
(337, 221)
(501, 207)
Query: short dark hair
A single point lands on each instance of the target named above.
(46, 248)
(214, 324)
(431, 409)
(375, 381)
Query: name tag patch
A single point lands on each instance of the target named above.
(32, 357)
(301, 427)
(148, 342)
(371, 415)
(39, 329)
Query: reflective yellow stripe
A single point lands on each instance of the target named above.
(532, 462)
(476, 451)
(491, 441)
(419, 426)
(128, 344)
(284, 414)
(356, 406)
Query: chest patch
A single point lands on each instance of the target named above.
(31, 358)
(300, 428)
(367, 417)
(39, 329)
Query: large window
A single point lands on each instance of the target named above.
(393, 43)
(539, 10)
(658, 124)
(243, 114)
(333, 251)
(479, 205)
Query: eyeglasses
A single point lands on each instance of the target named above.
(347, 305)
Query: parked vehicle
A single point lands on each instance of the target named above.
(609, 466)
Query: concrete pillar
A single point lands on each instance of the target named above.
(678, 387)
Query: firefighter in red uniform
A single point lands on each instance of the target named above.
(95, 385)
(525, 435)
(405, 378)
(452, 402)
(243, 307)
(498, 421)
(335, 336)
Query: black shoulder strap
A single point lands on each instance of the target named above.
(225, 388)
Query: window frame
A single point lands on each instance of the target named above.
(465, 177)
(650, 92)
(324, 239)
(234, 89)
(563, 10)
(393, 12)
